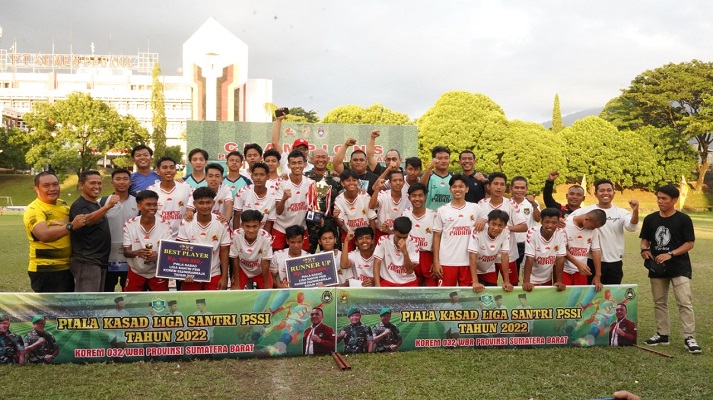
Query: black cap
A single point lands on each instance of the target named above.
(118, 299)
(171, 302)
(498, 297)
(200, 301)
(453, 294)
(522, 296)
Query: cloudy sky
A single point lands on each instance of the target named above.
(321, 54)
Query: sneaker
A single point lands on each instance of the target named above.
(657, 339)
(692, 346)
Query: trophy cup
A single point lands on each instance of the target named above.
(148, 246)
(321, 194)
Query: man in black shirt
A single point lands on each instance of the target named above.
(91, 244)
(476, 181)
(575, 196)
(666, 238)
(358, 163)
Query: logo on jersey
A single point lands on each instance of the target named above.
(526, 211)
(180, 203)
(214, 238)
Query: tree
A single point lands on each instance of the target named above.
(596, 149)
(76, 132)
(308, 116)
(557, 116)
(14, 145)
(158, 112)
(532, 151)
(375, 114)
(672, 96)
(462, 120)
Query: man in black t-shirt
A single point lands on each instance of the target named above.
(91, 244)
(358, 163)
(666, 238)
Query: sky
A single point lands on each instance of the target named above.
(322, 54)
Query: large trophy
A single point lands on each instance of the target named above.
(321, 194)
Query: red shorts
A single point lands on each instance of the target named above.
(351, 244)
(386, 283)
(512, 269)
(212, 285)
(574, 279)
(423, 269)
(257, 279)
(488, 279)
(457, 275)
(279, 240)
(136, 283)
(378, 234)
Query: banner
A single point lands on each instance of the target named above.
(458, 317)
(220, 138)
(178, 260)
(312, 270)
(170, 326)
(173, 326)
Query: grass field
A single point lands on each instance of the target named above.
(558, 373)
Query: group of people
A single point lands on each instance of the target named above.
(393, 225)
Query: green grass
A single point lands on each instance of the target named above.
(557, 373)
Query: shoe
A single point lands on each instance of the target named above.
(692, 346)
(657, 339)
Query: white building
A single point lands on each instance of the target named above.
(214, 85)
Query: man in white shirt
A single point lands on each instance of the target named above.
(250, 253)
(396, 257)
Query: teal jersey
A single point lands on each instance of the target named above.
(237, 184)
(439, 191)
(193, 183)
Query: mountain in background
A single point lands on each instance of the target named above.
(569, 119)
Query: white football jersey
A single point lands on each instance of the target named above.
(277, 265)
(456, 226)
(545, 252)
(389, 209)
(251, 255)
(297, 206)
(215, 234)
(422, 228)
(392, 260)
(363, 267)
(247, 199)
(488, 249)
(135, 237)
(356, 213)
(580, 243)
(515, 218)
(222, 195)
(172, 204)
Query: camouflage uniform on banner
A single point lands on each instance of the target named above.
(10, 348)
(332, 180)
(392, 338)
(47, 348)
(357, 338)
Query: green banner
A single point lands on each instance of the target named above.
(99, 327)
(219, 138)
(170, 325)
(458, 317)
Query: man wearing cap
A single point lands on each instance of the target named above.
(451, 327)
(357, 337)
(387, 336)
(200, 304)
(522, 298)
(116, 336)
(318, 338)
(173, 311)
(299, 144)
(48, 227)
(499, 302)
(40, 345)
(12, 349)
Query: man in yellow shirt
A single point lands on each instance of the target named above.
(47, 225)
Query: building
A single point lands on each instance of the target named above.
(214, 85)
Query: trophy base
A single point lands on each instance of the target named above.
(315, 216)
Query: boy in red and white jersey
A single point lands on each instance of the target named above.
(529, 208)
(396, 257)
(389, 204)
(257, 197)
(223, 206)
(173, 196)
(251, 252)
(422, 220)
(361, 259)
(496, 186)
(296, 201)
(352, 206)
(451, 233)
(295, 242)
(142, 237)
(207, 229)
(545, 250)
(327, 243)
(489, 250)
(272, 158)
(582, 240)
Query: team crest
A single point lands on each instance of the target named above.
(630, 293)
(557, 248)
(220, 201)
(290, 132)
(344, 298)
(428, 230)
(363, 212)
(214, 238)
(326, 297)
(526, 211)
(180, 203)
(487, 300)
(320, 132)
(266, 211)
(158, 305)
(589, 240)
(472, 217)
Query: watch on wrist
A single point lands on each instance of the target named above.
(69, 227)
(670, 253)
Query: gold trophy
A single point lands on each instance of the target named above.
(148, 246)
(321, 193)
